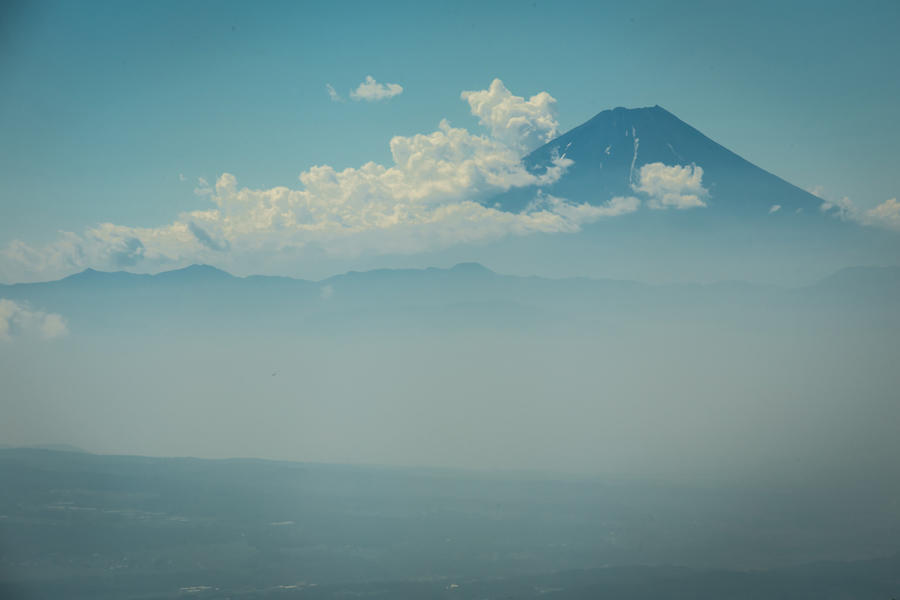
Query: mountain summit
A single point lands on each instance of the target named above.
(609, 150)
(705, 213)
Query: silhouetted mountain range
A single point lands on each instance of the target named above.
(466, 293)
(861, 277)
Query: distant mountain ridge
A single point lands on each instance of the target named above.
(195, 274)
(465, 294)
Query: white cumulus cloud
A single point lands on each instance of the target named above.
(432, 195)
(520, 124)
(678, 187)
(19, 320)
(371, 91)
(886, 214)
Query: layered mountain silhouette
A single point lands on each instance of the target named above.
(467, 294)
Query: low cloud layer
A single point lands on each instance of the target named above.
(20, 321)
(431, 197)
(372, 91)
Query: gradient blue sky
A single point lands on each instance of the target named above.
(105, 104)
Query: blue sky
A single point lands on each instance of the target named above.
(105, 106)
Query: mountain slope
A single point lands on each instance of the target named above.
(754, 225)
(609, 150)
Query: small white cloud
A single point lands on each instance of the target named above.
(817, 190)
(843, 208)
(519, 123)
(371, 91)
(53, 325)
(886, 214)
(576, 215)
(332, 93)
(678, 187)
(203, 188)
(774, 208)
(18, 320)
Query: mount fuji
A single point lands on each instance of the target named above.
(746, 223)
(609, 150)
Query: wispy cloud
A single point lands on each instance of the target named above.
(332, 93)
(372, 91)
(774, 208)
(817, 190)
(19, 320)
(885, 215)
(203, 188)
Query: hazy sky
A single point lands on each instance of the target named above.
(113, 111)
(150, 135)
